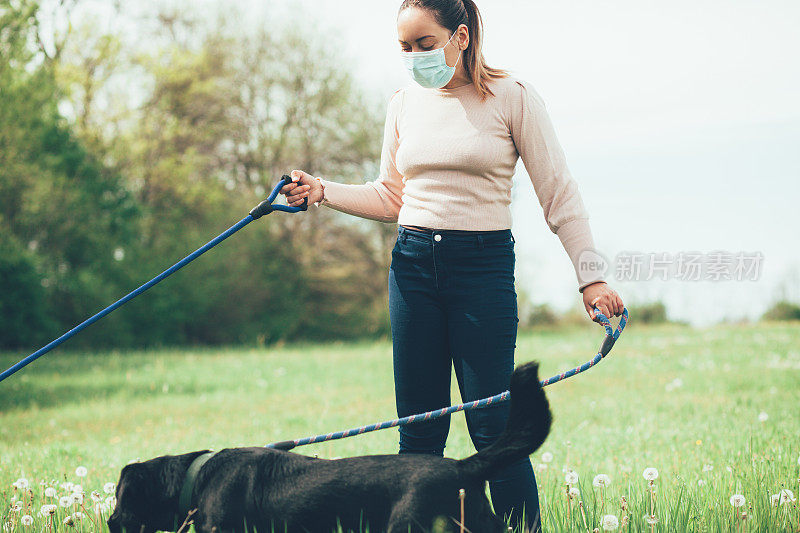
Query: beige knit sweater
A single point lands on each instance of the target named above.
(448, 160)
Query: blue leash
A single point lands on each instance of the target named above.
(264, 208)
(610, 338)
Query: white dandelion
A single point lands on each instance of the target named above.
(547, 457)
(77, 498)
(48, 509)
(69, 521)
(763, 416)
(67, 486)
(111, 501)
(26, 520)
(610, 522)
(701, 482)
(574, 492)
(571, 477)
(21, 484)
(50, 492)
(96, 498)
(108, 488)
(18, 506)
(65, 501)
(541, 467)
(81, 471)
(787, 496)
(77, 488)
(708, 468)
(737, 500)
(601, 480)
(650, 474)
(651, 519)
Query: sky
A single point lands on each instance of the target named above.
(680, 122)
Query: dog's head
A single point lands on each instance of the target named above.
(147, 495)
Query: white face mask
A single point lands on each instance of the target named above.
(429, 68)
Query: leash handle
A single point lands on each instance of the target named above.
(611, 335)
(608, 343)
(266, 207)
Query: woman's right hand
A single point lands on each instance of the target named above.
(303, 185)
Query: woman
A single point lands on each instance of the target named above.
(451, 143)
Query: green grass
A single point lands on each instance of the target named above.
(103, 410)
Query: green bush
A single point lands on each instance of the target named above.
(649, 313)
(782, 310)
(23, 311)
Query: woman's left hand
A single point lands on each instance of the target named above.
(601, 295)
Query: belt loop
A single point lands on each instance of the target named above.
(403, 233)
(479, 238)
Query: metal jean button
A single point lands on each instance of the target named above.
(437, 237)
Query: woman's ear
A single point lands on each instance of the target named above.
(462, 37)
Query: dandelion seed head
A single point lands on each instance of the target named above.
(547, 457)
(571, 477)
(650, 519)
(574, 492)
(96, 498)
(737, 500)
(21, 484)
(26, 520)
(67, 486)
(65, 501)
(610, 522)
(109, 487)
(601, 480)
(48, 509)
(708, 468)
(81, 471)
(18, 506)
(650, 474)
(50, 492)
(77, 498)
(77, 488)
(787, 496)
(111, 501)
(763, 416)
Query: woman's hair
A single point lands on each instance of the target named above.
(451, 14)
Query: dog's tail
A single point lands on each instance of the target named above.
(526, 429)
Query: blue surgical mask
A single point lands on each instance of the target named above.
(429, 68)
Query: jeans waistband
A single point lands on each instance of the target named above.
(453, 235)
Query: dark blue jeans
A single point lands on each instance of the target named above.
(452, 301)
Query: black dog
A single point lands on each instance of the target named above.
(267, 490)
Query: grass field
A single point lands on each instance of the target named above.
(716, 411)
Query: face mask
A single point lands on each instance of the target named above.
(429, 68)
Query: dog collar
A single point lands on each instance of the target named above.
(185, 499)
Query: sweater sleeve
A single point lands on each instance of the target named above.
(380, 199)
(566, 216)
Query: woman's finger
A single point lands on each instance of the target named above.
(288, 187)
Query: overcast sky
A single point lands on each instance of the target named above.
(680, 122)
